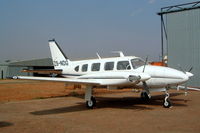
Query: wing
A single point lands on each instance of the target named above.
(121, 78)
(69, 80)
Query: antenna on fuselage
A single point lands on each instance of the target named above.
(98, 55)
(121, 54)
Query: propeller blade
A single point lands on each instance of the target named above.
(181, 68)
(190, 69)
(145, 63)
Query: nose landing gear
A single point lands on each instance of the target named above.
(167, 102)
(145, 96)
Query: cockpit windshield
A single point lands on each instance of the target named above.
(137, 63)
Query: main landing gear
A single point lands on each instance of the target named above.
(167, 102)
(145, 96)
(90, 100)
(91, 103)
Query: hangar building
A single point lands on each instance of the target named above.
(8, 69)
(180, 36)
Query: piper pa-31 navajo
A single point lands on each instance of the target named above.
(114, 72)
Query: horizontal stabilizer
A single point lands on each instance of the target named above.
(45, 71)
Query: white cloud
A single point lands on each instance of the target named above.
(151, 1)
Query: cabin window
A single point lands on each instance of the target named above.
(137, 63)
(109, 66)
(95, 66)
(84, 67)
(123, 65)
(76, 68)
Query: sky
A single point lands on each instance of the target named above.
(81, 27)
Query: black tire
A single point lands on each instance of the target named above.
(94, 100)
(90, 104)
(167, 103)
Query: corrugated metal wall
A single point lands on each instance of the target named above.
(183, 32)
(10, 69)
(3, 70)
(15, 71)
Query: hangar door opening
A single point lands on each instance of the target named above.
(182, 28)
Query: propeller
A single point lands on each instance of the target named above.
(145, 64)
(145, 86)
(189, 75)
(181, 68)
(190, 69)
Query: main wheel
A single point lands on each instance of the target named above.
(91, 103)
(167, 103)
(94, 100)
(144, 96)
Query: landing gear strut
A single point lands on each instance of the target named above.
(90, 100)
(167, 102)
(145, 96)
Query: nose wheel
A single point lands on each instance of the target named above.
(167, 102)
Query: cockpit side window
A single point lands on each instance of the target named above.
(123, 65)
(136, 63)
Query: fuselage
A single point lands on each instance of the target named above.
(121, 71)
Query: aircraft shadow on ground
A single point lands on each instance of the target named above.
(121, 103)
(5, 124)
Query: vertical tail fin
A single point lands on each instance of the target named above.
(59, 59)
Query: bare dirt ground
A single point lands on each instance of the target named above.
(16, 90)
(23, 110)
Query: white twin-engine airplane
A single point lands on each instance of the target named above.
(114, 72)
